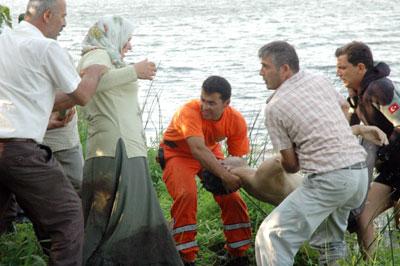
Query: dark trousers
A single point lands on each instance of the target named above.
(31, 173)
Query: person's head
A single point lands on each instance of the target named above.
(112, 33)
(215, 96)
(279, 61)
(21, 17)
(353, 61)
(47, 15)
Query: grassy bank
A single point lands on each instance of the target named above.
(21, 248)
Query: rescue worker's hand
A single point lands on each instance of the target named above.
(231, 182)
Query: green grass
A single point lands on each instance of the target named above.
(22, 248)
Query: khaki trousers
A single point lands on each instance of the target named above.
(316, 211)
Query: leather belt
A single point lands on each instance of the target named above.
(16, 140)
(360, 165)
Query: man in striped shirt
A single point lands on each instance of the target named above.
(309, 129)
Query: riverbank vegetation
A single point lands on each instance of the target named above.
(21, 248)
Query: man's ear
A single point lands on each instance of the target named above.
(227, 102)
(47, 15)
(285, 71)
(361, 67)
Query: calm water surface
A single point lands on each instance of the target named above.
(191, 40)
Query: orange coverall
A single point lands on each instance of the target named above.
(181, 168)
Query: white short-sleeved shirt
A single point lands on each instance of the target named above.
(305, 112)
(31, 68)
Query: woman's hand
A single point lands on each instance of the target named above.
(145, 69)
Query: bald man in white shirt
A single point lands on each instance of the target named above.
(32, 65)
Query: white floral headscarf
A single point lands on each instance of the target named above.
(110, 33)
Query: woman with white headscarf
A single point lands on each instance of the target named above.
(124, 224)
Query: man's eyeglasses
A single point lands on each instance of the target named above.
(353, 101)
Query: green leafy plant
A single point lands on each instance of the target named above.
(5, 17)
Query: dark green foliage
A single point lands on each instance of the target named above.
(155, 169)
(5, 16)
(21, 248)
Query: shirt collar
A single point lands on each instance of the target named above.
(26, 26)
(286, 84)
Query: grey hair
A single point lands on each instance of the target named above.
(36, 8)
(281, 53)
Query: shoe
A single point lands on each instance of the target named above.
(228, 260)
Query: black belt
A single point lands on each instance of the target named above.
(16, 140)
(360, 165)
(170, 144)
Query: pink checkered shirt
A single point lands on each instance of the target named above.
(305, 111)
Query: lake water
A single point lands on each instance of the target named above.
(191, 40)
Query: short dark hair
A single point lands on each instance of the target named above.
(21, 17)
(217, 84)
(281, 53)
(357, 52)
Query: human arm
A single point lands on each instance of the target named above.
(208, 160)
(78, 89)
(344, 105)
(370, 133)
(90, 78)
(289, 160)
(117, 77)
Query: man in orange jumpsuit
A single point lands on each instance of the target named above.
(190, 144)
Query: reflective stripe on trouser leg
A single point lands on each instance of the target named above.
(237, 227)
(239, 244)
(186, 245)
(185, 228)
(179, 177)
(229, 227)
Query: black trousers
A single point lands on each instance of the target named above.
(31, 173)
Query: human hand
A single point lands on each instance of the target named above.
(231, 182)
(69, 114)
(145, 69)
(374, 135)
(57, 119)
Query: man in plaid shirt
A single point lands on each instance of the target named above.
(308, 127)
